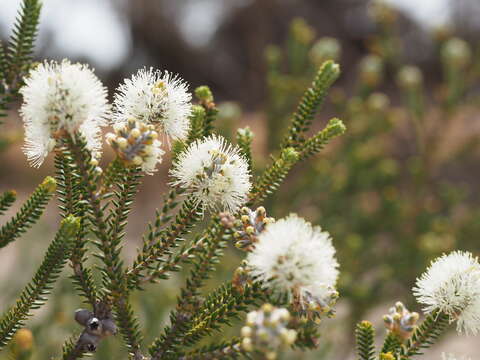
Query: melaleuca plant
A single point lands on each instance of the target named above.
(64, 108)
(286, 283)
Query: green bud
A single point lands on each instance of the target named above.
(245, 133)
(49, 184)
(290, 154)
(71, 224)
(198, 111)
(203, 93)
(336, 127)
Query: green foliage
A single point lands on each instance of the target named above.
(159, 243)
(208, 253)
(274, 175)
(425, 335)
(206, 100)
(365, 335)
(33, 296)
(391, 344)
(312, 99)
(244, 141)
(197, 123)
(181, 239)
(221, 305)
(29, 213)
(6, 200)
(390, 188)
(225, 350)
(16, 58)
(316, 143)
(70, 194)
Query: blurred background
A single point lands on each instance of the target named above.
(399, 189)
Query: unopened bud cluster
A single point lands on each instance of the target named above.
(241, 277)
(249, 226)
(266, 331)
(136, 144)
(96, 328)
(400, 321)
(313, 306)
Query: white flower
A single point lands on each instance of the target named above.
(155, 97)
(294, 257)
(137, 145)
(450, 356)
(61, 97)
(214, 172)
(452, 285)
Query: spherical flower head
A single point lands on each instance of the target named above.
(400, 321)
(136, 144)
(294, 257)
(249, 227)
(158, 98)
(61, 98)
(214, 172)
(266, 331)
(452, 285)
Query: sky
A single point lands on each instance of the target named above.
(94, 30)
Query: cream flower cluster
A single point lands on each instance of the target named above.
(137, 144)
(452, 285)
(214, 172)
(61, 98)
(400, 321)
(294, 257)
(266, 331)
(155, 97)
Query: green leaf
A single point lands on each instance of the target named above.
(29, 213)
(244, 141)
(206, 100)
(311, 101)
(391, 344)
(316, 143)
(273, 176)
(22, 41)
(197, 123)
(16, 58)
(365, 336)
(34, 294)
(425, 334)
(6, 200)
(158, 243)
(70, 192)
